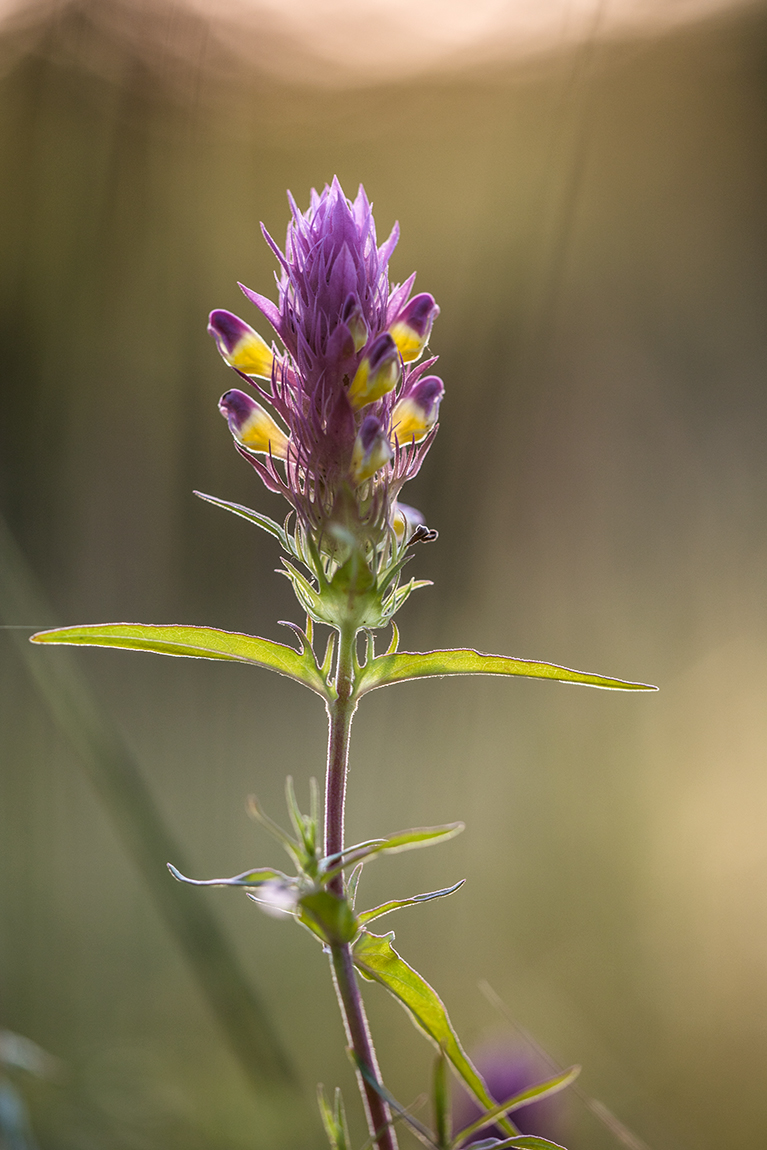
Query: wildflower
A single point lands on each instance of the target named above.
(412, 328)
(415, 414)
(372, 449)
(360, 416)
(242, 347)
(251, 425)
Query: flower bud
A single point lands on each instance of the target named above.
(355, 321)
(251, 425)
(412, 327)
(241, 346)
(377, 374)
(415, 414)
(372, 449)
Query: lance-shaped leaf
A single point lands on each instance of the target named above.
(378, 961)
(248, 878)
(403, 841)
(517, 1101)
(402, 665)
(196, 643)
(262, 521)
(387, 907)
(522, 1142)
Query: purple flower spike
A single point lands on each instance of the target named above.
(341, 382)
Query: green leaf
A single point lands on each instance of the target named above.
(256, 517)
(328, 916)
(403, 841)
(523, 1098)
(247, 878)
(387, 907)
(397, 667)
(522, 1142)
(196, 643)
(378, 961)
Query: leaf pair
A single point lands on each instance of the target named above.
(303, 666)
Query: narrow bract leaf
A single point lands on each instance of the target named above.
(397, 667)
(522, 1098)
(247, 878)
(195, 643)
(293, 848)
(378, 961)
(256, 517)
(397, 904)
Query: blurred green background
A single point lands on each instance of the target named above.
(592, 223)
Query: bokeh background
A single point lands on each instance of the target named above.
(582, 187)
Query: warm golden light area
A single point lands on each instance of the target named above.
(349, 42)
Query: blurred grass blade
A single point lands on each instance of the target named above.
(116, 778)
(523, 1098)
(387, 907)
(398, 667)
(194, 643)
(378, 961)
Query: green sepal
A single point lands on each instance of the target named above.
(248, 878)
(377, 960)
(399, 666)
(262, 521)
(196, 643)
(387, 907)
(522, 1098)
(328, 916)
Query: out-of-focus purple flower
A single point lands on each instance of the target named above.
(508, 1069)
(349, 340)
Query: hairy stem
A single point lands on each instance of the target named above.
(340, 715)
